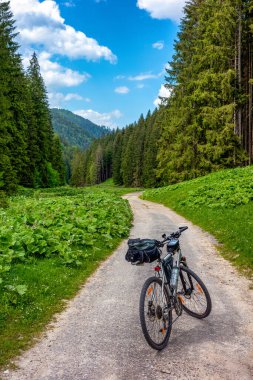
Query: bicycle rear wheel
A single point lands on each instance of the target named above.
(155, 313)
(193, 294)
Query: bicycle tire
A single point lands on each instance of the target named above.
(198, 292)
(145, 314)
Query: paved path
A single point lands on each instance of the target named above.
(99, 337)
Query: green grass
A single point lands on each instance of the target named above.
(52, 240)
(119, 190)
(222, 204)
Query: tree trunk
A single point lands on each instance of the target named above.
(250, 103)
(240, 132)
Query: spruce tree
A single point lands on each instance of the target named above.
(41, 133)
(57, 159)
(13, 128)
(198, 129)
(127, 163)
(117, 157)
(152, 136)
(77, 178)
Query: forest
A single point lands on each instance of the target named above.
(30, 153)
(206, 123)
(53, 237)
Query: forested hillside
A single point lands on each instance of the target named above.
(128, 155)
(206, 123)
(74, 130)
(76, 134)
(30, 154)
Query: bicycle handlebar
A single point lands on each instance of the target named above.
(173, 235)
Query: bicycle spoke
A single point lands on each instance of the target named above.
(192, 294)
(154, 313)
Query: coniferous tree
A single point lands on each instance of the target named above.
(57, 159)
(206, 123)
(42, 131)
(127, 166)
(117, 157)
(137, 142)
(13, 154)
(152, 136)
(198, 131)
(77, 178)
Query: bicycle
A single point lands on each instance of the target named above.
(174, 287)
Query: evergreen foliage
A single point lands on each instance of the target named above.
(27, 146)
(74, 130)
(127, 155)
(11, 102)
(75, 133)
(198, 123)
(206, 123)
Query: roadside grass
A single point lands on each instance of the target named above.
(222, 204)
(119, 190)
(35, 286)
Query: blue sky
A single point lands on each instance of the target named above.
(102, 59)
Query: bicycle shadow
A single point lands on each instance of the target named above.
(217, 329)
(213, 348)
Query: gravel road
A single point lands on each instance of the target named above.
(98, 337)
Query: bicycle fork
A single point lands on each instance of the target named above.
(186, 290)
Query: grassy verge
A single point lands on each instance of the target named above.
(220, 203)
(51, 242)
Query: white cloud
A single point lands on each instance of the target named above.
(58, 99)
(107, 119)
(72, 96)
(163, 93)
(69, 4)
(163, 9)
(122, 90)
(140, 85)
(159, 45)
(145, 76)
(118, 77)
(167, 66)
(56, 75)
(142, 76)
(40, 25)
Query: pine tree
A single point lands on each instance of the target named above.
(57, 160)
(77, 178)
(198, 131)
(152, 136)
(41, 133)
(117, 157)
(127, 164)
(137, 151)
(13, 144)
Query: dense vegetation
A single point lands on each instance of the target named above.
(128, 155)
(76, 134)
(60, 235)
(30, 154)
(206, 123)
(74, 130)
(221, 203)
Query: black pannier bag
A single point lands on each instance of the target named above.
(142, 251)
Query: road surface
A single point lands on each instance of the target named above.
(98, 336)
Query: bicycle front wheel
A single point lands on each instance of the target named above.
(193, 294)
(155, 313)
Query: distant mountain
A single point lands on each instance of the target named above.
(74, 130)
